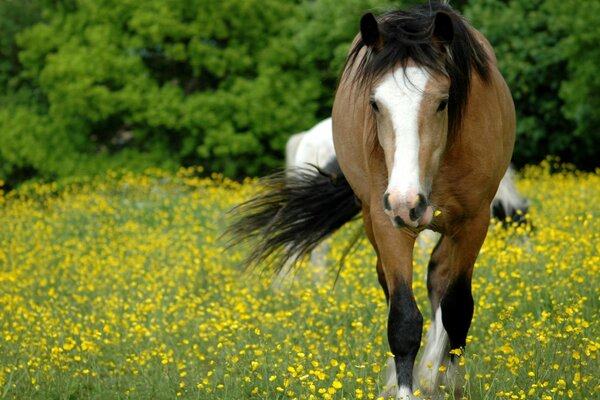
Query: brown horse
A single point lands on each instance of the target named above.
(423, 127)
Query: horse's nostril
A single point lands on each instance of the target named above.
(399, 221)
(386, 202)
(417, 212)
(413, 214)
(422, 202)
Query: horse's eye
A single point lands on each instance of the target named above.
(442, 106)
(374, 105)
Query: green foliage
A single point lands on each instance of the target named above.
(15, 15)
(161, 82)
(89, 85)
(547, 52)
(577, 25)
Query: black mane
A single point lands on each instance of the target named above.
(409, 36)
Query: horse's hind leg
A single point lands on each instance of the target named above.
(449, 286)
(437, 343)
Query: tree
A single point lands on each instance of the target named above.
(546, 51)
(91, 85)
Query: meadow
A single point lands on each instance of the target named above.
(121, 288)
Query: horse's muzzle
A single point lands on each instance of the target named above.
(412, 210)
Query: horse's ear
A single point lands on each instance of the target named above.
(369, 30)
(443, 28)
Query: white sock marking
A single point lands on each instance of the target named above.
(435, 354)
(404, 393)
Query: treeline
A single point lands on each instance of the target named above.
(88, 85)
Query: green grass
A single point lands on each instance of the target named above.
(119, 288)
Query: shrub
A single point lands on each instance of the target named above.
(92, 85)
(546, 51)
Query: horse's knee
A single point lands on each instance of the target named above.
(405, 326)
(457, 310)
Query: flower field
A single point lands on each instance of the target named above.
(121, 288)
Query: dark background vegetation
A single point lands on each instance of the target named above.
(91, 85)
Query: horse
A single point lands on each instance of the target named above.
(314, 149)
(423, 126)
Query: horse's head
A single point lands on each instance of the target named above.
(416, 93)
(411, 109)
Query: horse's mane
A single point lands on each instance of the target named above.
(409, 35)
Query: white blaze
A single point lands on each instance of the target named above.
(401, 93)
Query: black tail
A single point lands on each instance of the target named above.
(296, 211)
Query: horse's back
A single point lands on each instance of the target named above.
(488, 134)
(313, 147)
(506, 105)
(291, 148)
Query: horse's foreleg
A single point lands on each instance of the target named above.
(457, 301)
(405, 326)
(449, 286)
(369, 231)
(405, 322)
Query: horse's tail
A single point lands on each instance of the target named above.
(508, 203)
(297, 210)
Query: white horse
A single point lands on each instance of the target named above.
(313, 147)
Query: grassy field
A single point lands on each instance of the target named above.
(119, 288)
